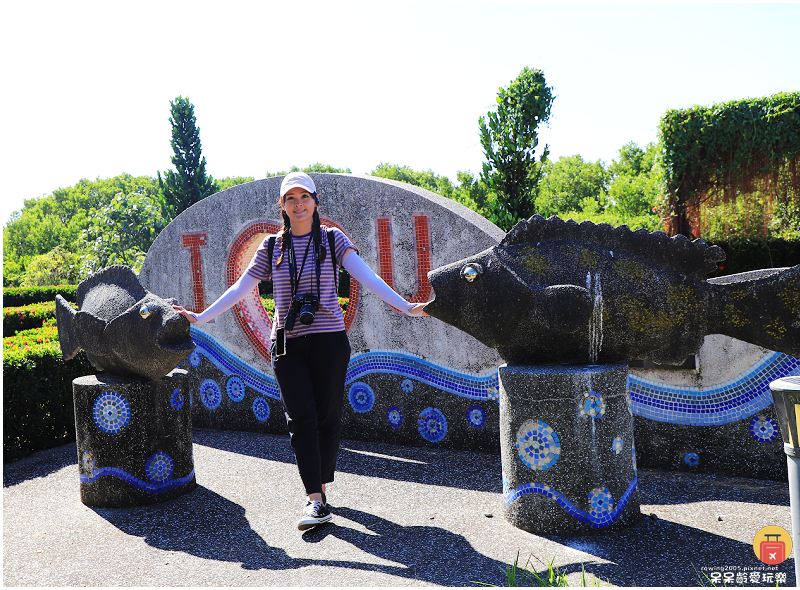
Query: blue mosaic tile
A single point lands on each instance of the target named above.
(407, 385)
(538, 445)
(176, 399)
(593, 405)
(734, 400)
(361, 397)
(194, 359)
(235, 388)
(476, 416)
(111, 412)
(395, 417)
(261, 409)
(763, 428)
(210, 394)
(159, 467)
(143, 485)
(603, 512)
(617, 445)
(432, 425)
(691, 459)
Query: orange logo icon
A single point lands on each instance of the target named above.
(772, 545)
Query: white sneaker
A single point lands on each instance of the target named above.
(314, 514)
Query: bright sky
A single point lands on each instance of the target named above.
(87, 85)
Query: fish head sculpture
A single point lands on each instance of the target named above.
(125, 329)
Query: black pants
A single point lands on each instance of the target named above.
(311, 379)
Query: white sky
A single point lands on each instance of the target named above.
(86, 86)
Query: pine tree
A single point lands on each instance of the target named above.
(190, 184)
(509, 138)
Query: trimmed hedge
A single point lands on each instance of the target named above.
(745, 254)
(18, 296)
(27, 317)
(38, 410)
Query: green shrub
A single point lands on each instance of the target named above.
(18, 296)
(27, 317)
(38, 410)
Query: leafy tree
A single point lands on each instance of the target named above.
(569, 182)
(509, 139)
(428, 179)
(229, 181)
(122, 232)
(636, 181)
(189, 184)
(57, 267)
(313, 168)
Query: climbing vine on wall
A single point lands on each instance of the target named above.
(714, 154)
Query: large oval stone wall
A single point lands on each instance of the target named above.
(418, 381)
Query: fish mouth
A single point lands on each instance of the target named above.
(174, 335)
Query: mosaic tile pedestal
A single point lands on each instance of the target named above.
(567, 450)
(134, 439)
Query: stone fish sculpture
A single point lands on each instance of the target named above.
(125, 329)
(556, 291)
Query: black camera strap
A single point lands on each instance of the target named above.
(294, 278)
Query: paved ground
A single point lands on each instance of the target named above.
(402, 516)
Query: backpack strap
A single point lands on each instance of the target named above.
(332, 252)
(270, 250)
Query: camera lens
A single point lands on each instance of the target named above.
(307, 314)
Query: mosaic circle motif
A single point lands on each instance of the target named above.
(476, 416)
(111, 412)
(395, 417)
(616, 446)
(432, 424)
(493, 392)
(261, 409)
(194, 359)
(361, 397)
(235, 389)
(593, 405)
(600, 502)
(159, 467)
(538, 445)
(176, 399)
(691, 459)
(763, 428)
(407, 385)
(210, 394)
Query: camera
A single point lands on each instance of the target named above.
(303, 308)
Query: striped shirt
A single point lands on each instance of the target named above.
(328, 317)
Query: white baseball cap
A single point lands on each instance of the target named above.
(296, 179)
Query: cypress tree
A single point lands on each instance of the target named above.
(190, 184)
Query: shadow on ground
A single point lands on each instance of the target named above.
(207, 525)
(457, 469)
(40, 464)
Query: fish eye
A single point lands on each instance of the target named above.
(471, 271)
(145, 311)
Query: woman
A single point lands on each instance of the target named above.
(310, 349)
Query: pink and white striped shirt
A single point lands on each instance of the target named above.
(328, 317)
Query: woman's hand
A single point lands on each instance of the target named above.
(189, 315)
(416, 310)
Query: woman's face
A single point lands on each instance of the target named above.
(299, 205)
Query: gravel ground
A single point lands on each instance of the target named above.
(402, 516)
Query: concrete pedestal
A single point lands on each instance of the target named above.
(134, 439)
(567, 449)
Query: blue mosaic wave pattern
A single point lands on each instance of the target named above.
(135, 481)
(597, 518)
(470, 385)
(737, 399)
(728, 402)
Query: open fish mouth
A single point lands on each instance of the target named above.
(174, 335)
